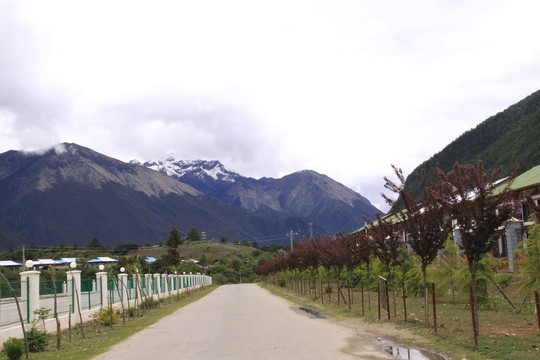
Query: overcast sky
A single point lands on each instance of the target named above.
(345, 88)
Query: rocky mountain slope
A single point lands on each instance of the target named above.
(70, 194)
(305, 194)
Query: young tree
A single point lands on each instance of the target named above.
(174, 240)
(386, 235)
(94, 244)
(193, 235)
(424, 222)
(479, 205)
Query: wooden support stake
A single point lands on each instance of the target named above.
(537, 308)
(472, 313)
(404, 301)
(362, 297)
(434, 311)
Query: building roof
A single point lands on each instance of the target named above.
(9, 263)
(102, 259)
(150, 259)
(527, 179)
(44, 262)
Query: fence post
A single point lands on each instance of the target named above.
(30, 292)
(122, 283)
(157, 284)
(136, 285)
(148, 285)
(74, 288)
(101, 278)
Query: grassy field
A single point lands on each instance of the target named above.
(194, 250)
(504, 333)
(97, 342)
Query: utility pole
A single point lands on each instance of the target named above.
(291, 233)
(310, 230)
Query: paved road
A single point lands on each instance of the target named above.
(242, 322)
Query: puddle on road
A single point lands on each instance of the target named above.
(315, 313)
(390, 348)
(402, 352)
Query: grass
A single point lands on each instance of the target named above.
(98, 342)
(504, 333)
(194, 250)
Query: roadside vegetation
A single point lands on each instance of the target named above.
(100, 336)
(408, 268)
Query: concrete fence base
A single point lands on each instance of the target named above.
(154, 286)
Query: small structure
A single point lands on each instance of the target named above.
(102, 260)
(150, 259)
(10, 264)
(44, 263)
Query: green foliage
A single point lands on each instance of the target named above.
(37, 340)
(493, 141)
(193, 235)
(103, 317)
(173, 240)
(529, 266)
(94, 244)
(203, 260)
(14, 348)
(172, 257)
(130, 312)
(42, 315)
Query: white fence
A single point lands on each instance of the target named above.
(89, 294)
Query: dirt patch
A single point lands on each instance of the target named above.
(372, 337)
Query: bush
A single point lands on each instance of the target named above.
(37, 340)
(103, 317)
(14, 348)
(131, 312)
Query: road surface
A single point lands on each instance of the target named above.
(244, 322)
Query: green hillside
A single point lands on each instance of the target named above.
(511, 138)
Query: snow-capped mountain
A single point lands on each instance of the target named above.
(208, 176)
(331, 206)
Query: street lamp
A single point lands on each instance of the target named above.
(29, 264)
(101, 267)
(73, 265)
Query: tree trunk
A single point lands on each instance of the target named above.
(473, 269)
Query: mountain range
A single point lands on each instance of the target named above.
(70, 194)
(306, 194)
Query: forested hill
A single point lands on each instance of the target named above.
(511, 138)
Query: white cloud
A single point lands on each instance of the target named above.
(345, 88)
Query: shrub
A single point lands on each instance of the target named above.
(131, 312)
(150, 303)
(37, 340)
(103, 316)
(14, 348)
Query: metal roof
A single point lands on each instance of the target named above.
(9, 263)
(102, 259)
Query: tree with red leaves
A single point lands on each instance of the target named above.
(478, 204)
(424, 222)
(386, 235)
